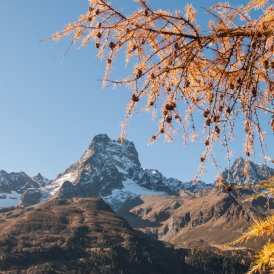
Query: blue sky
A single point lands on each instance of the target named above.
(50, 110)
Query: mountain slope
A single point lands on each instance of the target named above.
(188, 221)
(80, 236)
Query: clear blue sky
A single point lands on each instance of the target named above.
(50, 110)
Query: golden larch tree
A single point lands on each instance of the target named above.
(222, 74)
(181, 71)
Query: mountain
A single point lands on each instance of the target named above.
(13, 184)
(236, 175)
(18, 182)
(112, 170)
(208, 220)
(41, 180)
(81, 235)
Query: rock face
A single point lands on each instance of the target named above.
(112, 170)
(80, 236)
(257, 173)
(31, 196)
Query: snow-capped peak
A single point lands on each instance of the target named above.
(258, 172)
(111, 169)
(41, 180)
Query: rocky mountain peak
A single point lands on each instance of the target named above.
(104, 166)
(258, 172)
(40, 179)
(239, 162)
(100, 139)
(111, 169)
(39, 176)
(101, 143)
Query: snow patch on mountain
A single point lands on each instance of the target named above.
(52, 188)
(129, 191)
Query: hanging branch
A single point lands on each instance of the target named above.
(225, 74)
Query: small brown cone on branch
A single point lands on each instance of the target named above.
(112, 45)
(208, 122)
(139, 73)
(206, 112)
(169, 119)
(135, 98)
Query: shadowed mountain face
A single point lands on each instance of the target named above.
(80, 236)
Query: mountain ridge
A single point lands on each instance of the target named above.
(112, 170)
(257, 172)
(187, 215)
(14, 184)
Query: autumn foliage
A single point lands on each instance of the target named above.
(223, 73)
